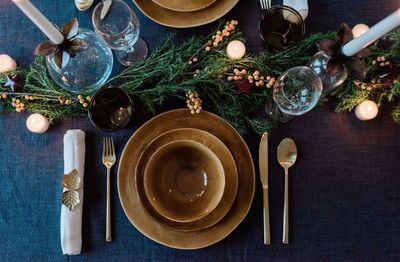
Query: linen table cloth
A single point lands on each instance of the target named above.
(344, 188)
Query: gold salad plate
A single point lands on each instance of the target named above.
(128, 179)
(184, 5)
(228, 163)
(176, 19)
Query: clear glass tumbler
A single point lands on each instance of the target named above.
(120, 29)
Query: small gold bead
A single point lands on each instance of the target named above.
(208, 48)
(68, 101)
(383, 59)
(26, 97)
(192, 112)
(198, 110)
(382, 64)
(80, 97)
(257, 83)
(378, 59)
(197, 71)
(190, 62)
(236, 71)
(88, 98)
(18, 109)
(262, 77)
(256, 73)
(256, 77)
(261, 83)
(17, 101)
(85, 104)
(14, 99)
(243, 72)
(81, 101)
(195, 59)
(387, 63)
(229, 78)
(31, 98)
(374, 62)
(236, 78)
(4, 95)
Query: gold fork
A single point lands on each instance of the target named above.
(109, 160)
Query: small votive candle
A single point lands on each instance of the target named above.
(366, 110)
(359, 29)
(37, 123)
(7, 64)
(236, 49)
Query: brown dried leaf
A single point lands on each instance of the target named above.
(334, 66)
(76, 46)
(58, 57)
(363, 53)
(45, 48)
(70, 199)
(70, 29)
(344, 34)
(356, 68)
(328, 46)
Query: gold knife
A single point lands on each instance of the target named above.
(263, 165)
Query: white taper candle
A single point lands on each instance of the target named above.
(40, 21)
(383, 27)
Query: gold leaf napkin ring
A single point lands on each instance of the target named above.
(71, 182)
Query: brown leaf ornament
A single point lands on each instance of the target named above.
(339, 62)
(67, 49)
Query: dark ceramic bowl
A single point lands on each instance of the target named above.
(281, 27)
(110, 109)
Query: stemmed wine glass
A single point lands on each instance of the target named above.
(295, 93)
(120, 29)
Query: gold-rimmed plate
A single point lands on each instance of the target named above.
(185, 19)
(130, 199)
(184, 5)
(227, 161)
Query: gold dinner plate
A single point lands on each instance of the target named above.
(184, 5)
(228, 164)
(185, 19)
(131, 202)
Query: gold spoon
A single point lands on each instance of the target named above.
(287, 155)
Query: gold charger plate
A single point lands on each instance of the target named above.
(185, 19)
(129, 197)
(184, 5)
(228, 163)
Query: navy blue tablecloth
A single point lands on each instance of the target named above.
(344, 189)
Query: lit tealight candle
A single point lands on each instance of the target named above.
(359, 29)
(37, 123)
(7, 64)
(366, 110)
(236, 49)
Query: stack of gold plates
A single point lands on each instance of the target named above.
(186, 181)
(184, 13)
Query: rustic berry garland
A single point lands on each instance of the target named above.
(237, 90)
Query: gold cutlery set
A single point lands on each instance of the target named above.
(286, 155)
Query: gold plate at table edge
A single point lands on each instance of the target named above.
(185, 19)
(171, 5)
(130, 200)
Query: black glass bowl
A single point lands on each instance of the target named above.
(281, 27)
(110, 109)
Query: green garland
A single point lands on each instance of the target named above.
(166, 74)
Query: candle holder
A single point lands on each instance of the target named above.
(88, 70)
(318, 64)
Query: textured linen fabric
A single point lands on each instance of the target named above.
(344, 188)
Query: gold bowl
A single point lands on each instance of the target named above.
(184, 180)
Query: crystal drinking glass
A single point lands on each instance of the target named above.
(295, 93)
(120, 29)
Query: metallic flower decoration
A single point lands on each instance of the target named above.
(338, 61)
(71, 182)
(67, 49)
(14, 82)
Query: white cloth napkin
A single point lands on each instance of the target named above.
(71, 221)
(300, 5)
